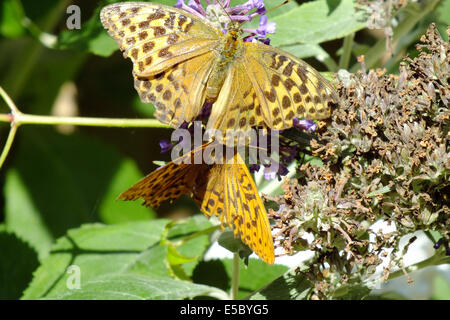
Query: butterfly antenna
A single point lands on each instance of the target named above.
(276, 7)
(223, 8)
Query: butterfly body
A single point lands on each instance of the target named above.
(180, 61)
(227, 52)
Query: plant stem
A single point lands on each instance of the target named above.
(24, 63)
(23, 118)
(235, 277)
(347, 51)
(416, 13)
(437, 259)
(17, 118)
(8, 144)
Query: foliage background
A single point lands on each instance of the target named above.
(59, 183)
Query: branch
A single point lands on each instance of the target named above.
(17, 118)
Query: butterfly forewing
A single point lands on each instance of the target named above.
(171, 52)
(232, 196)
(156, 36)
(176, 93)
(170, 181)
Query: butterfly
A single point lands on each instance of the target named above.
(225, 189)
(180, 61)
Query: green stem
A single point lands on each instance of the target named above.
(347, 51)
(23, 118)
(17, 118)
(235, 276)
(430, 236)
(330, 64)
(8, 144)
(416, 13)
(24, 63)
(438, 259)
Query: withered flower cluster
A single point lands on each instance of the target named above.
(381, 14)
(385, 156)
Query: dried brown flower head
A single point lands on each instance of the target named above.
(386, 156)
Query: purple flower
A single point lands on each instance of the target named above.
(180, 4)
(266, 41)
(306, 125)
(165, 145)
(240, 13)
(269, 173)
(275, 171)
(197, 6)
(254, 168)
(265, 27)
(194, 7)
(250, 5)
(259, 5)
(443, 241)
(206, 110)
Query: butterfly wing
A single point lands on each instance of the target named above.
(156, 37)
(237, 106)
(231, 195)
(286, 86)
(177, 93)
(171, 54)
(267, 87)
(169, 182)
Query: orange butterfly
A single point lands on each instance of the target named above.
(226, 190)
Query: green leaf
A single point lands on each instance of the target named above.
(134, 287)
(218, 273)
(255, 276)
(62, 189)
(196, 223)
(307, 50)
(176, 258)
(229, 242)
(124, 261)
(99, 250)
(441, 288)
(117, 211)
(289, 286)
(198, 228)
(92, 37)
(11, 16)
(151, 262)
(23, 217)
(17, 263)
(317, 21)
(444, 12)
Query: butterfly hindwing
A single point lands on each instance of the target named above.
(286, 86)
(237, 106)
